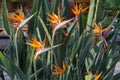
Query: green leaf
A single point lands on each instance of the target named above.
(116, 76)
(91, 59)
(5, 21)
(90, 15)
(7, 67)
(47, 5)
(70, 30)
(65, 8)
(89, 77)
(45, 29)
(33, 22)
(29, 62)
(111, 65)
(22, 50)
(55, 4)
(10, 67)
(99, 11)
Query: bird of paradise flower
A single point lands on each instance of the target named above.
(59, 70)
(76, 10)
(95, 76)
(57, 22)
(39, 46)
(16, 19)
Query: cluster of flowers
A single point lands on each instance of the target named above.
(54, 19)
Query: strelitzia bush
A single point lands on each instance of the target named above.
(59, 46)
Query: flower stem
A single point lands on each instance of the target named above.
(35, 70)
(16, 47)
(60, 76)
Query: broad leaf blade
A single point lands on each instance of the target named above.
(5, 21)
(45, 29)
(10, 67)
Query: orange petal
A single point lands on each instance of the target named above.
(103, 30)
(34, 43)
(83, 10)
(98, 76)
(76, 9)
(63, 65)
(22, 15)
(96, 29)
